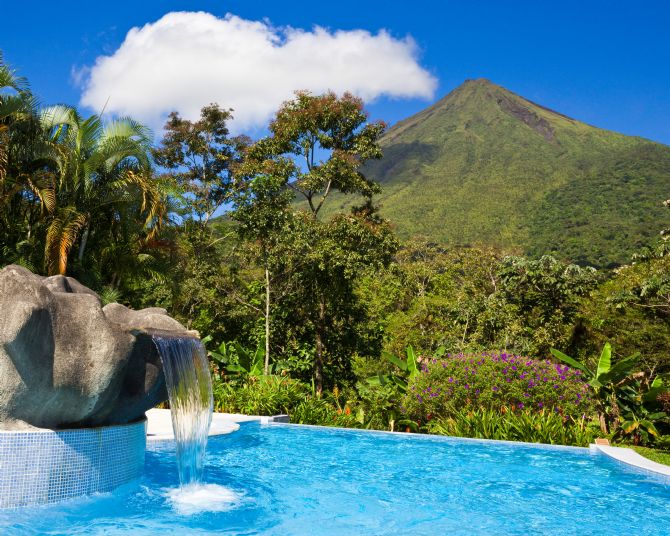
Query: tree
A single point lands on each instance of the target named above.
(198, 156)
(544, 296)
(262, 209)
(95, 166)
(317, 146)
(435, 296)
(20, 178)
(15, 100)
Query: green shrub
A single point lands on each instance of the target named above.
(493, 381)
(262, 395)
(322, 412)
(544, 426)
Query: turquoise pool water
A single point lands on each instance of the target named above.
(294, 480)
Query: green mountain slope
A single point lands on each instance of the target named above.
(486, 166)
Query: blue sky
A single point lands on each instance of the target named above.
(605, 63)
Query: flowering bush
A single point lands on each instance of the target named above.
(495, 381)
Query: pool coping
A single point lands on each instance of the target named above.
(159, 423)
(631, 458)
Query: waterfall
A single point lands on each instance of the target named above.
(189, 388)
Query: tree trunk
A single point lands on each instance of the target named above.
(318, 361)
(266, 369)
(603, 422)
(82, 245)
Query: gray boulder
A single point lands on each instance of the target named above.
(67, 361)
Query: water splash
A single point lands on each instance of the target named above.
(189, 387)
(198, 498)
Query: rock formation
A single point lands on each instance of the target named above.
(67, 361)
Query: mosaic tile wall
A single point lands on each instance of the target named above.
(45, 466)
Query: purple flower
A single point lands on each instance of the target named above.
(520, 406)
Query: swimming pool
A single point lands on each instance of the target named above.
(296, 480)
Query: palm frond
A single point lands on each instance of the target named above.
(62, 233)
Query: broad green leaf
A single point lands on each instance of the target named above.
(206, 339)
(570, 361)
(650, 427)
(629, 426)
(402, 365)
(400, 383)
(620, 370)
(657, 388)
(605, 361)
(218, 357)
(412, 365)
(374, 380)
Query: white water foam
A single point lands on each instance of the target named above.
(198, 498)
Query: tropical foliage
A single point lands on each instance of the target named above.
(274, 249)
(529, 426)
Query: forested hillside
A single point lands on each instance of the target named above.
(485, 166)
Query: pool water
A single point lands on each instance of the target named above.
(296, 480)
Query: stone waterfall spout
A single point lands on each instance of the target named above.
(76, 378)
(189, 388)
(68, 362)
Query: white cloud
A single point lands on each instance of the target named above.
(186, 60)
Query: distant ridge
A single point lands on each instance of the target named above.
(486, 166)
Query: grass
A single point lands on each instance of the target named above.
(655, 455)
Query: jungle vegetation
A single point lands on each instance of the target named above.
(311, 301)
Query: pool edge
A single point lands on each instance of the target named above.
(631, 458)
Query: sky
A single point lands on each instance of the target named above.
(606, 63)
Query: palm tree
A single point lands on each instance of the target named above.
(19, 137)
(16, 102)
(100, 168)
